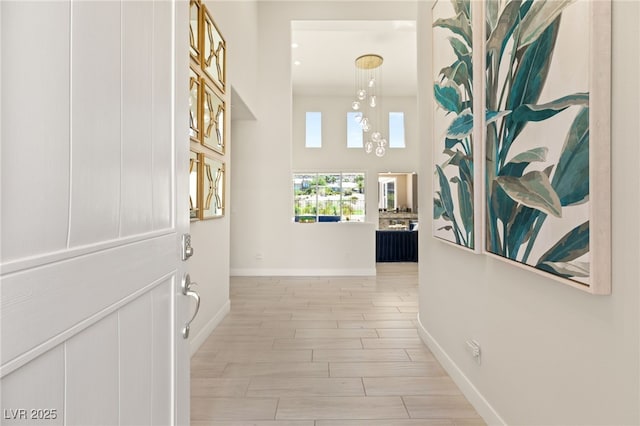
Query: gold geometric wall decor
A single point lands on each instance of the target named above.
(194, 183)
(213, 52)
(213, 183)
(213, 119)
(207, 114)
(195, 107)
(195, 38)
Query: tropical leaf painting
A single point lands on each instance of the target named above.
(537, 150)
(453, 91)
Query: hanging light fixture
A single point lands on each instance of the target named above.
(367, 102)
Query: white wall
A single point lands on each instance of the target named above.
(334, 154)
(238, 22)
(209, 267)
(551, 354)
(264, 239)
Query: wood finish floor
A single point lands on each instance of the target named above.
(319, 351)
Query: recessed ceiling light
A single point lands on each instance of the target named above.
(294, 45)
(296, 62)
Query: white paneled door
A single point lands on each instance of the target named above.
(94, 191)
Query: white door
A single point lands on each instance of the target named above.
(94, 197)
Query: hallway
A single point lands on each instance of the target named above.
(324, 351)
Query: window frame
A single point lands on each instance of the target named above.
(315, 212)
(383, 193)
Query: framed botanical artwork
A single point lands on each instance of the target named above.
(213, 119)
(213, 183)
(195, 107)
(457, 211)
(195, 38)
(214, 60)
(194, 185)
(547, 142)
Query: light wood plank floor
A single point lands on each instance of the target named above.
(320, 351)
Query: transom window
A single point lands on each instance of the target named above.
(354, 131)
(313, 136)
(396, 130)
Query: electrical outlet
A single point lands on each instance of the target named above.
(259, 256)
(474, 349)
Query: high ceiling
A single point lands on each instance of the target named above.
(323, 55)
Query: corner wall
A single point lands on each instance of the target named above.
(238, 22)
(211, 239)
(551, 354)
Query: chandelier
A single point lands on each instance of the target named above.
(367, 102)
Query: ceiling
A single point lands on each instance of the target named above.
(323, 55)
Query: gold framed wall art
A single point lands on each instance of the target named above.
(195, 35)
(195, 106)
(194, 185)
(212, 184)
(213, 111)
(208, 119)
(214, 58)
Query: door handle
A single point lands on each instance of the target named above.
(187, 290)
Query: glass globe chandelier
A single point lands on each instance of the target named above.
(367, 102)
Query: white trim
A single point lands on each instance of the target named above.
(250, 272)
(531, 268)
(479, 402)
(199, 339)
(478, 11)
(600, 148)
(66, 254)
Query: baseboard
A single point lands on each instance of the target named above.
(479, 402)
(244, 272)
(199, 339)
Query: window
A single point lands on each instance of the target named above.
(396, 130)
(329, 197)
(313, 137)
(354, 131)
